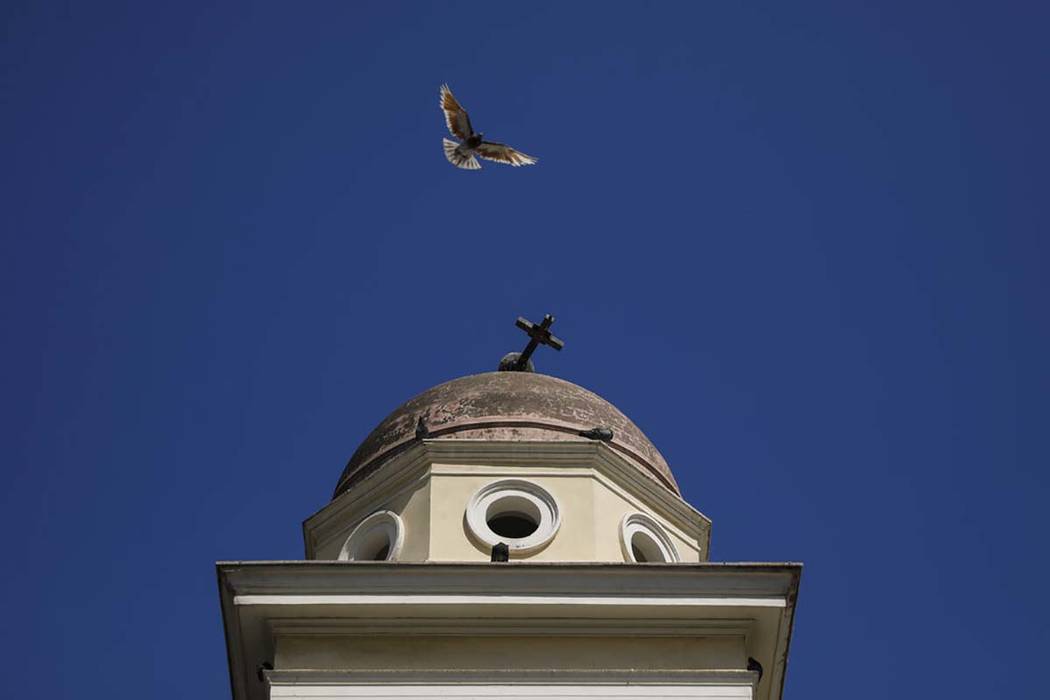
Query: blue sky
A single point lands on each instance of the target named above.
(802, 245)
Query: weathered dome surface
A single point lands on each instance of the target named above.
(504, 406)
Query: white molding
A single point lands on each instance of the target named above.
(490, 684)
(641, 523)
(505, 600)
(396, 475)
(388, 523)
(513, 578)
(597, 678)
(547, 511)
(263, 601)
(501, 692)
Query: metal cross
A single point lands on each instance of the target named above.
(538, 334)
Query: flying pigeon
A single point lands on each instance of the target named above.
(462, 155)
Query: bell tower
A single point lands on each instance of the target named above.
(507, 534)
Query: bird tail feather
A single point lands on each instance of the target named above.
(467, 161)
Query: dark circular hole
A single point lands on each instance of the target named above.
(382, 554)
(512, 525)
(645, 549)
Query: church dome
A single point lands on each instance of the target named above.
(517, 406)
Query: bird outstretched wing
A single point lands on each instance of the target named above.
(456, 118)
(502, 153)
(459, 157)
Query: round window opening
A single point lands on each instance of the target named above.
(378, 537)
(513, 517)
(518, 513)
(644, 540)
(375, 546)
(645, 549)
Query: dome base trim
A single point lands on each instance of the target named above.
(371, 466)
(502, 406)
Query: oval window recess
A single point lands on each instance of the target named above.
(518, 513)
(643, 540)
(379, 537)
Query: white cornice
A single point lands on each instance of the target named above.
(533, 602)
(744, 580)
(261, 600)
(469, 676)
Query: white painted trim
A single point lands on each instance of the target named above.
(496, 599)
(742, 580)
(385, 523)
(645, 525)
(544, 678)
(627, 690)
(501, 692)
(546, 509)
(758, 598)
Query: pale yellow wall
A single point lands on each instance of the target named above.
(416, 512)
(610, 507)
(591, 513)
(412, 504)
(517, 652)
(433, 505)
(449, 540)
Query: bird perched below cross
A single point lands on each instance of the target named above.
(539, 334)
